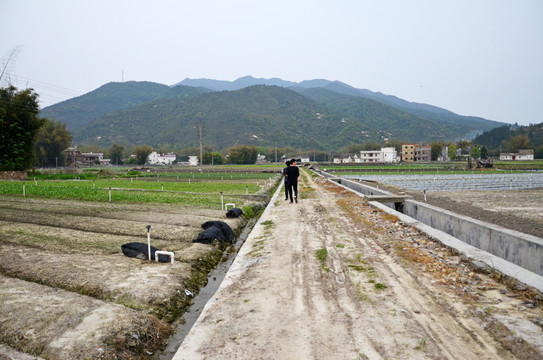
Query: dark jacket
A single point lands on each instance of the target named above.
(292, 173)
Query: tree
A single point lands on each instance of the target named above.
(538, 153)
(142, 152)
(484, 152)
(463, 145)
(437, 147)
(475, 153)
(451, 153)
(396, 144)
(517, 143)
(116, 153)
(214, 158)
(19, 126)
(91, 148)
(52, 139)
(243, 154)
(356, 148)
(371, 145)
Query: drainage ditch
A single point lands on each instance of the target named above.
(214, 280)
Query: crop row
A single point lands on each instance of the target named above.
(169, 175)
(88, 193)
(201, 187)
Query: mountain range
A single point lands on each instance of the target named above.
(314, 114)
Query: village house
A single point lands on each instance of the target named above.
(372, 156)
(444, 154)
(160, 159)
(75, 157)
(416, 153)
(385, 155)
(408, 152)
(389, 154)
(521, 155)
(423, 154)
(345, 159)
(193, 160)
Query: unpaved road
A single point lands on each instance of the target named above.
(332, 278)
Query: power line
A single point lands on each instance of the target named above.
(44, 84)
(49, 94)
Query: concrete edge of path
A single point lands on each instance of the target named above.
(505, 267)
(191, 344)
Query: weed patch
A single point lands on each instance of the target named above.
(379, 286)
(421, 345)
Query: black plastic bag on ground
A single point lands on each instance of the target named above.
(140, 251)
(234, 213)
(225, 229)
(209, 235)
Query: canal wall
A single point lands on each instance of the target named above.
(513, 253)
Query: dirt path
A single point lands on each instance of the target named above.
(312, 282)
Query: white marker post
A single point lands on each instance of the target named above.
(149, 241)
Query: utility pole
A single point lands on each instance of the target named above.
(201, 149)
(276, 151)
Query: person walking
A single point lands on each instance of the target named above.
(292, 174)
(286, 179)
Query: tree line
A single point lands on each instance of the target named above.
(26, 140)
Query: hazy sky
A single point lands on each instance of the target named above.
(473, 57)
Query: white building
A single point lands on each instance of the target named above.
(344, 159)
(390, 155)
(385, 155)
(520, 156)
(157, 159)
(193, 160)
(372, 156)
(444, 154)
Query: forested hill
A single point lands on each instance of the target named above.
(423, 110)
(263, 116)
(512, 138)
(110, 98)
(394, 123)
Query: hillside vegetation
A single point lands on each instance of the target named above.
(110, 98)
(315, 114)
(513, 138)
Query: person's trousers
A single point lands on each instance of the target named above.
(286, 190)
(291, 187)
